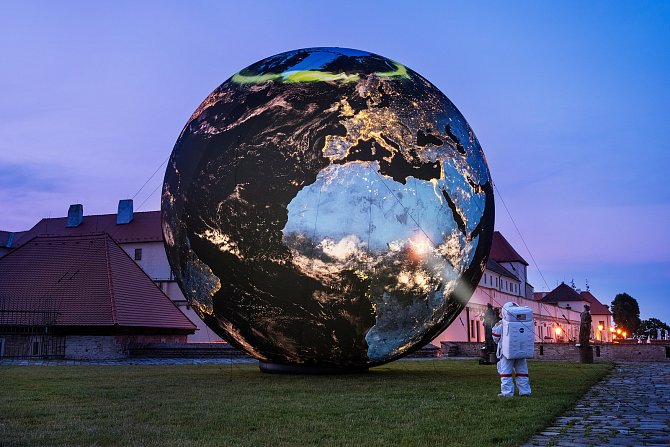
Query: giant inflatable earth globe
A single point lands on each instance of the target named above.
(327, 207)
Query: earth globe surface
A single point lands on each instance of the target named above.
(327, 207)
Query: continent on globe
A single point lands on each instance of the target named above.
(327, 207)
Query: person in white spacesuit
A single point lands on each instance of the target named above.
(508, 367)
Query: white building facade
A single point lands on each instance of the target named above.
(505, 280)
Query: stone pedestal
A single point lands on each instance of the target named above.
(484, 358)
(586, 354)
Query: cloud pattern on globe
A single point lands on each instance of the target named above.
(327, 207)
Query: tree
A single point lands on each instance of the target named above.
(626, 312)
(649, 328)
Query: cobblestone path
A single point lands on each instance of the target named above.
(631, 407)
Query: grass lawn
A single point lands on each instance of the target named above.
(404, 403)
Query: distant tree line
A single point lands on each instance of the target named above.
(649, 328)
(626, 314)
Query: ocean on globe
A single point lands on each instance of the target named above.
(327, 207)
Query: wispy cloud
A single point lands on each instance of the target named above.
(22, 179)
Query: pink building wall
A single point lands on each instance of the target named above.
(547, 318)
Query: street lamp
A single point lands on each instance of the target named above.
(600, 327)
(624, 334)
(558, 331)
(618, 331)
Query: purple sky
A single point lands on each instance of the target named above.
(568, 99)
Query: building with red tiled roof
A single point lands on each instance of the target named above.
(596, 306)
(139, 234)
(81, 297)
(566, 297)
(502, 250)
(504, 280)
(507, 257)
(143, 227)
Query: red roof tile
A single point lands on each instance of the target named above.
(145, 227)
(502, 251)
(562, 293)
(82, 281)
(597, 308)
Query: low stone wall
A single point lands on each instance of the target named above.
(188, 350)
(31, 345)
(95, 347)
(109, 347)
(568, 351)
(461, 349)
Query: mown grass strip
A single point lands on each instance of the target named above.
(404, 403)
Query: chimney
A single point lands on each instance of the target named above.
(125, 213)
(75, 215)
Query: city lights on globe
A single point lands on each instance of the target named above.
(327, 207)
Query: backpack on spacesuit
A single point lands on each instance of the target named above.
(518, 332)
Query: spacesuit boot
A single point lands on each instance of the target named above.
(505, 368)
(522, 381)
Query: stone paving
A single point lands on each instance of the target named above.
(630, 407)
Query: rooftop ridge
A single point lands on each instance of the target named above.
(100, 215)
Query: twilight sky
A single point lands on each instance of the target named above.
(569, 100)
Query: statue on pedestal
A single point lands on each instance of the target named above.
(585, 326)
(585, 349)
(490, 319)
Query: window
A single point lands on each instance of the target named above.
(36, 348)
(472, 328)
(478, 333)
(138, 254)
